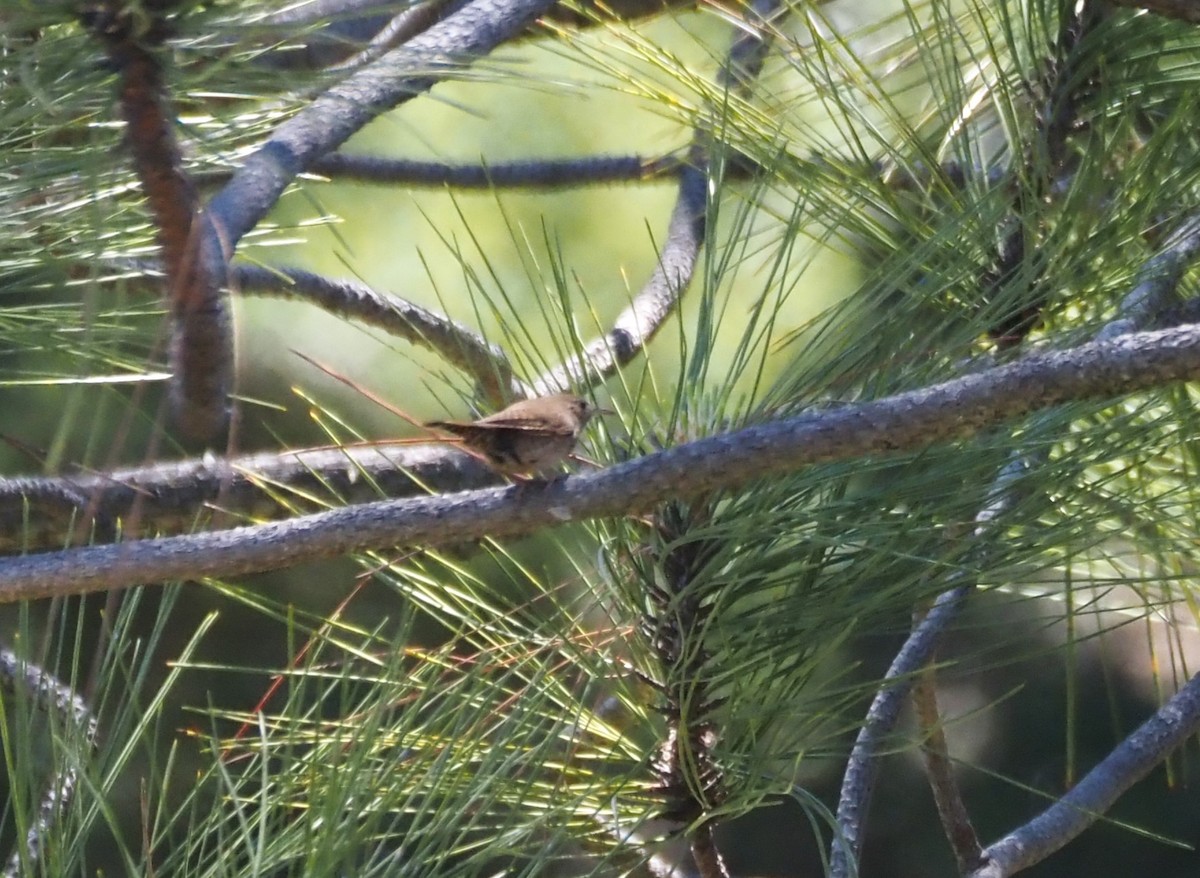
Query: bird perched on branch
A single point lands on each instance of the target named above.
(529, 438)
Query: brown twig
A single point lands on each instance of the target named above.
(201, 334)
(709, 862)
(939, 770)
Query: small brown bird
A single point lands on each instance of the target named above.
(530, 437)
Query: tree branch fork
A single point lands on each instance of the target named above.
(953, 410)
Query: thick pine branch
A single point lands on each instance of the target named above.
(954, 410)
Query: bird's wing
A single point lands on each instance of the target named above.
(472, 428)
(524, 425)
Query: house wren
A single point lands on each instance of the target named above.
(530, 437)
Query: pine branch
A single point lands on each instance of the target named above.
(50, 695)
(539, 174)
(331, 119)
(46, 512)
(636, 326)
(458, 345)
(1080, 807)
(952, 411)
(320, 128)
(1065, 84)
(1157, 285)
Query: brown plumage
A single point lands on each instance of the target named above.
(530, 437)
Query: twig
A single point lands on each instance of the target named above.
(548, 174)
(594, 170)
(329, 31)
(1079, 808)
(402, 26)
(331, 119)
(1157, 282)
(954, 410)
(859, 779)
(956, 821)
(53, 697)
(637, 325)
(201, 333)
(709, 863)
(457, 344)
